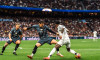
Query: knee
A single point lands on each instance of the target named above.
(57, 46)
(53, 42)
(68, 49)
(38, 44)
(6, 44)
(10, 40)
(18, 42)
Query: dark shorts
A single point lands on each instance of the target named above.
(13, 40)
(45, 40)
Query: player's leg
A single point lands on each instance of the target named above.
(93, 38)
(68, 48)
(34, 50)
(77, 55)
(4, 47)
(55, 42)
(16, 47)
(71, 51)
(57, 46)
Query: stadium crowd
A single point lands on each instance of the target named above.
(55, 4)
(75, 26)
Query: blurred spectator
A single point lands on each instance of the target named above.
(76, 26)
(55, 4)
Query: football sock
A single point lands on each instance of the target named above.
(52, 52)
(57, 50)
(32, 54)
(34, 50)
(75, 53)
(72, 51)
(3, 49)
(17, 45)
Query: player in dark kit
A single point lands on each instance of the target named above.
(44, 38)
(15, 36)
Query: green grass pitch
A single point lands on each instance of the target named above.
(88, 49)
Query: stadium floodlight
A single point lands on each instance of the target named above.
(47, 10)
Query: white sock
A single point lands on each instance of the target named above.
(57, 52)
(14, 51)
(52, 52)
(32, 54)
(72, 51)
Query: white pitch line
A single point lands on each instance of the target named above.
(11, 47)
(83, 41)
(20, 48)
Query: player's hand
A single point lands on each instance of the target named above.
(60, 37)
(25, 28)
(10, 40)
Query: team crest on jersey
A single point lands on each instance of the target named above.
(15, 32)
(41, 29)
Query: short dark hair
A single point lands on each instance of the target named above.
(17, 24)
(41, 21)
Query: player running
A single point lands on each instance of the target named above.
(44, 38)
(95, 36)
(65, 40)
(15, 36)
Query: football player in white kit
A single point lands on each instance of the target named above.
(95, 36)
(64, 40)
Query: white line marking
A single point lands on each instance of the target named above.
(84, 41)
(20, 48)
(50, 48)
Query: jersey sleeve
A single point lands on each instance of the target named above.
(50, 30)
(33, 26)
(11, 30)
(20, 33)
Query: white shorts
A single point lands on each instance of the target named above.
(94, 36)
(66, 42)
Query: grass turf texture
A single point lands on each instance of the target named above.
(88, 49)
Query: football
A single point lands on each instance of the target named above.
(78, 56)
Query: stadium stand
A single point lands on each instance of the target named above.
(75, 25)
(55, 4)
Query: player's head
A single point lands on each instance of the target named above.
(41, 23)
(57, 23)
(17, 25)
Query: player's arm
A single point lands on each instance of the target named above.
(10, 36)
(67, 30)
(10, 33)
(60, 34)
(27, 28)
(20, 34)
(50, 30)
(20, 37)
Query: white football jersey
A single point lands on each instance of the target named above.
(95, 33)
(64, 34)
